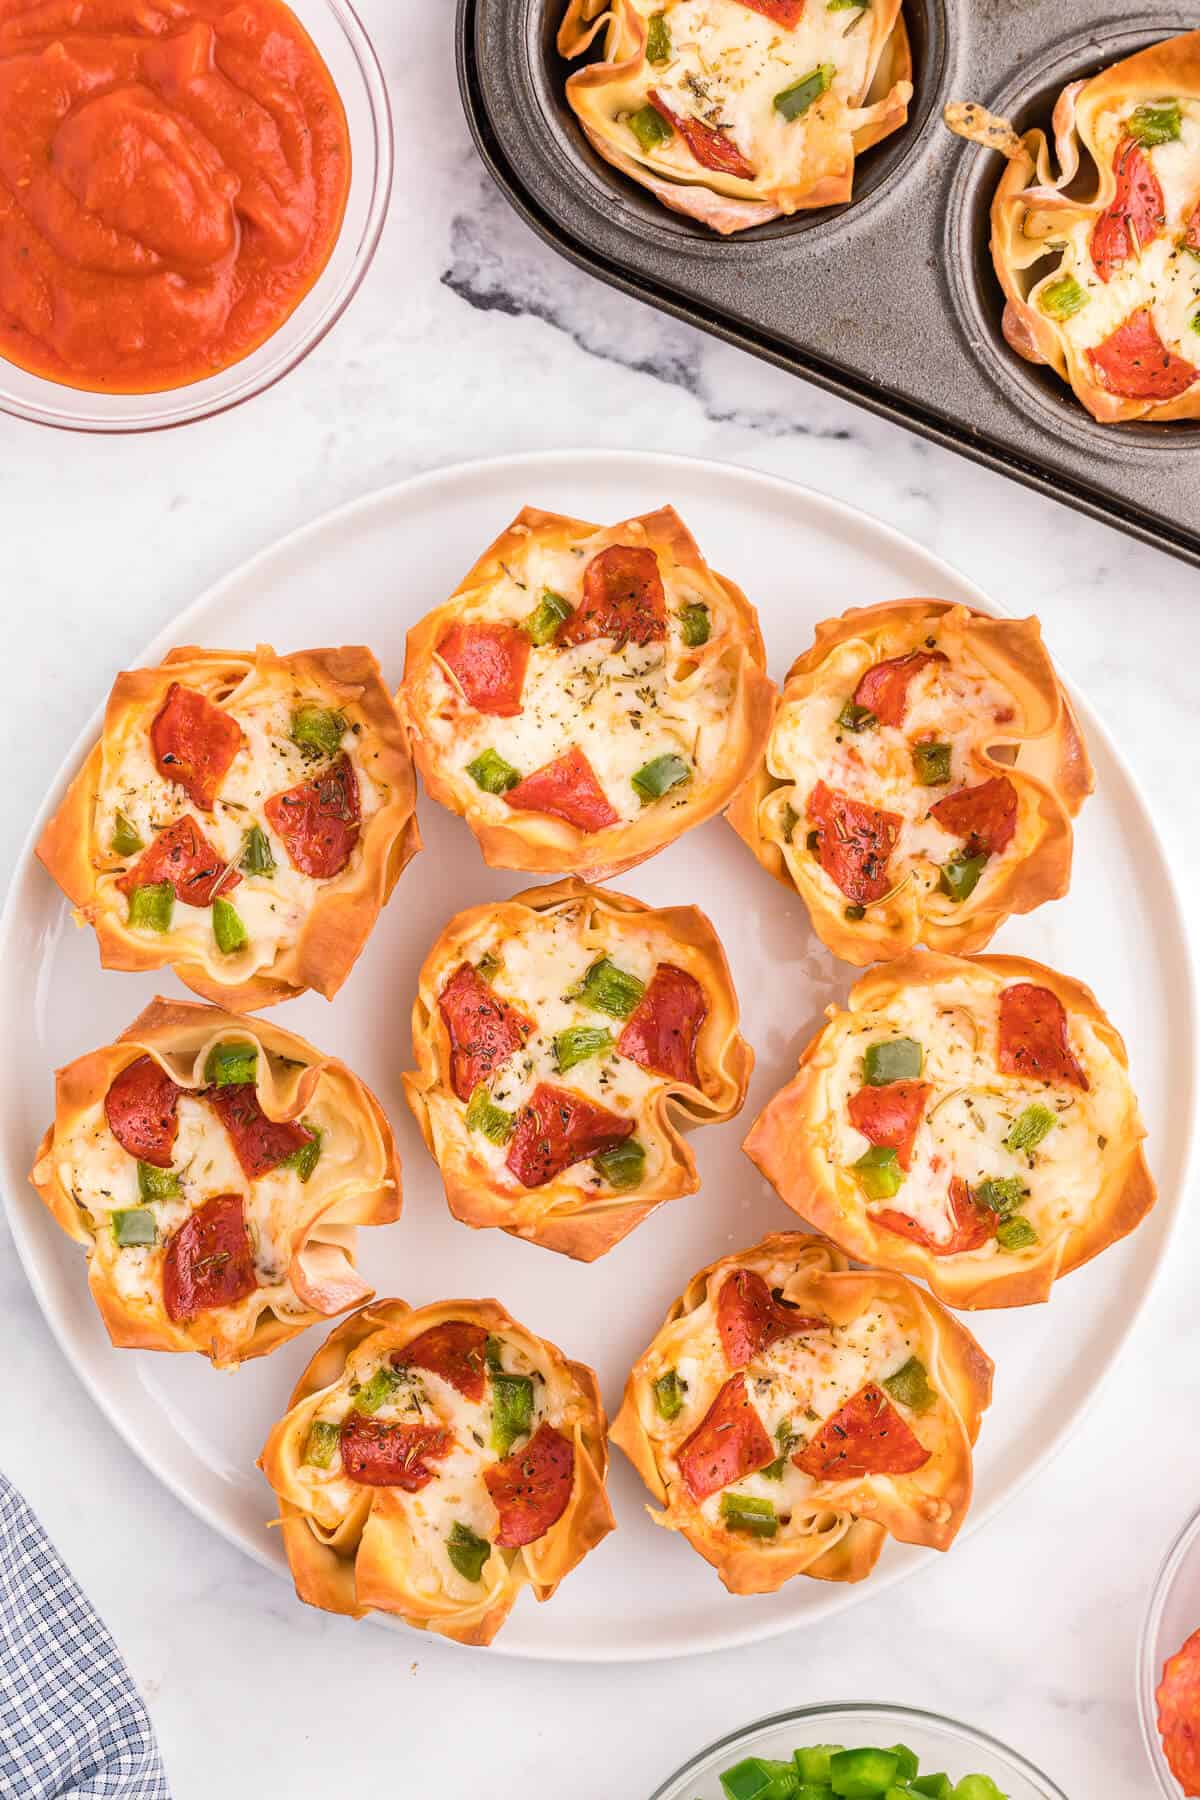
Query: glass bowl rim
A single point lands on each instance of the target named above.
(917, 1715)
(1148, 1672)
(190, 403)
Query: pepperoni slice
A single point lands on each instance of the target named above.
(208, 1261)
(985, 815)
(623, 598)
(972, 1225)
(1136, 213)
(890, 1115)
(183, 856)
(530, 1488)
(318, 820)
(260, 1144)
(558, 1127)
(1135, 364)
(883, 690)
(141, 1109)
(787, 13)
(750, 1319)
(1033, 1036)
(484, 1030)
(730, 1441)
(489, 663)
(710, 147)
(663, 1027)
(866, 1436)
(376, 1454)
(455, 1351)
(566, 789)
(854, 842)
(1179, 1714)
(194, 743)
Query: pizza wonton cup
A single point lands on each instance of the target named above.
(587, 694)
(433, 1463)
(1098, 260)
(735, 111)
(792, 1412)
(214, 1169)
(562, 1037)
(968, 1120)
(243, 818)
(920, 779)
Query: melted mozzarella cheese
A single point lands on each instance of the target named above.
(727, 65)
(972, 1108)
(540, 966)
(272, 908)
(948, 703)
(457, 1493)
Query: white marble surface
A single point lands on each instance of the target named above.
(470, 338)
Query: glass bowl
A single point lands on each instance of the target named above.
(941, 1744)
(1172, 1616)
(338, 34)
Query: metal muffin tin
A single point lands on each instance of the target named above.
(890, 301)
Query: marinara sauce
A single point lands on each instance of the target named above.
(173, 175)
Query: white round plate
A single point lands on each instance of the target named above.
(364, 574)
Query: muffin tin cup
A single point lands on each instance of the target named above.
(890, 301)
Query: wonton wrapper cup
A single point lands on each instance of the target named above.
(336, 929)
(788, 1143)
(1032, 205)
(549, 846)
(178, 1034)
(357, 1564)
(1052, 770)
(729, 203)
(553, 1215)
(850, 1519)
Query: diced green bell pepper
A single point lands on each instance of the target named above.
(649, 128)
(126, 840)
(466, 1552)
(797, 99)
(933, 1787)
(305, 1159)
(658, 39)
(490, 1120)
(668, 1395)
(228, 928)
(488, 966)
(878, 1172)
(1155, 122)
(892, 1059)
(512, 1409)
(257, 858)
(492, 773)
(977, 1787)
(695, 624)
(579, 1043)
(541, 625)
(812, 1763)
(378, 1390)
(1016, 1234)
(157, 1184)
(136, 1227)
(863, 1774)
(960, 876)
(910, 1386)
(1062, 298)
(910, 1762)
(1001, 1193)
(608, 989)
(624, 1165)
(317, 730)
(659, 776)
(760, 1778)
(1028, 1130)
(151, 907)
(745, 1512)
(931, 764)
(230, 1064)
(856, 718)
(323, 1440)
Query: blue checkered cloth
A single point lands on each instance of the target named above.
(72, 1724)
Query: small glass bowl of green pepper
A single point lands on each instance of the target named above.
(858, 1752)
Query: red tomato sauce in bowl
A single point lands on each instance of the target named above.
(173, 175)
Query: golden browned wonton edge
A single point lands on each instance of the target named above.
(853, 1518)
(359, 1565)
(341, 920)
(178, 1034)
(553, 1215)
(548, 846)
(1030, 191)
(729, 203)
(787, 1142)
(1052, 765)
